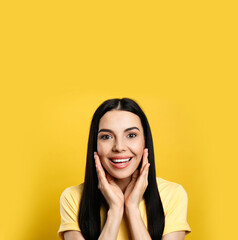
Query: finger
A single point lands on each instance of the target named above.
(142, 181)
(98, 163)
(144, 159)
(134, 178)
(147, 171)
(144, 175)
(100, 171)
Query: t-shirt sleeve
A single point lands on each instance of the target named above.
(69, 213)
(176, 216)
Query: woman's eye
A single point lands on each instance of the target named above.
(132, 135)
(105, 137)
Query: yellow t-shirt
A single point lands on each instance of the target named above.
(173, 196)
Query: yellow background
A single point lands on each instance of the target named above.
(61, 59)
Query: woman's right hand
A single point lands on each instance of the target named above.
(115, 200)
(110, 190)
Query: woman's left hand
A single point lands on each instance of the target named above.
(139, 182)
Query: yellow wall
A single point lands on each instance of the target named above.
(61, 59)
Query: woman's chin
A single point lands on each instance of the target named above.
(121, 176)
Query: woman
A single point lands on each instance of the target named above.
(121, 198)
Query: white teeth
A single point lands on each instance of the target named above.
(120, 160)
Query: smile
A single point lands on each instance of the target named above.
(120, 162)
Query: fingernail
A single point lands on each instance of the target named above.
(147, 151)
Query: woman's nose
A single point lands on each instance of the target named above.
(119, 146)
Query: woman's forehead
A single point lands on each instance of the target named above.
(119, 119)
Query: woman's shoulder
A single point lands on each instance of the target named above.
(168, 189)
(165, 184)
(175, 204)
(72, 193)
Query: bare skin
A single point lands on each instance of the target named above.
(74, 235)
(121, 135)
(119, 202)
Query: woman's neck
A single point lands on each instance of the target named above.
(123, 183)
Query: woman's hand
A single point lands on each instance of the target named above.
(139, 182)
(133, 196)
(110, 190)
(115, 200)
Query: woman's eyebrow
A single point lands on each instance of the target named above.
(126, 130)
(105, 130)
(131, 128)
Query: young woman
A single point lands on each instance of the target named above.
(121, 198)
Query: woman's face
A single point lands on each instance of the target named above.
(120, 143)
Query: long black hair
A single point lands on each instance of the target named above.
(89, 211)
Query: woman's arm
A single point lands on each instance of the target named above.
(112, 225)
(133, 196)
(110, 229)
(139, 231)
(115, 199)
(137, 226)
(180, 235)
(73, 235)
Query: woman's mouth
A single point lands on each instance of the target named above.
(120, 162)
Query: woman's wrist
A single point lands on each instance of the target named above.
(132, 209)
(136, 224)
(112, 225)
(115, 212)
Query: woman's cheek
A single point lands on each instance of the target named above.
(138, 148)
(103, 149)
(100, 148)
